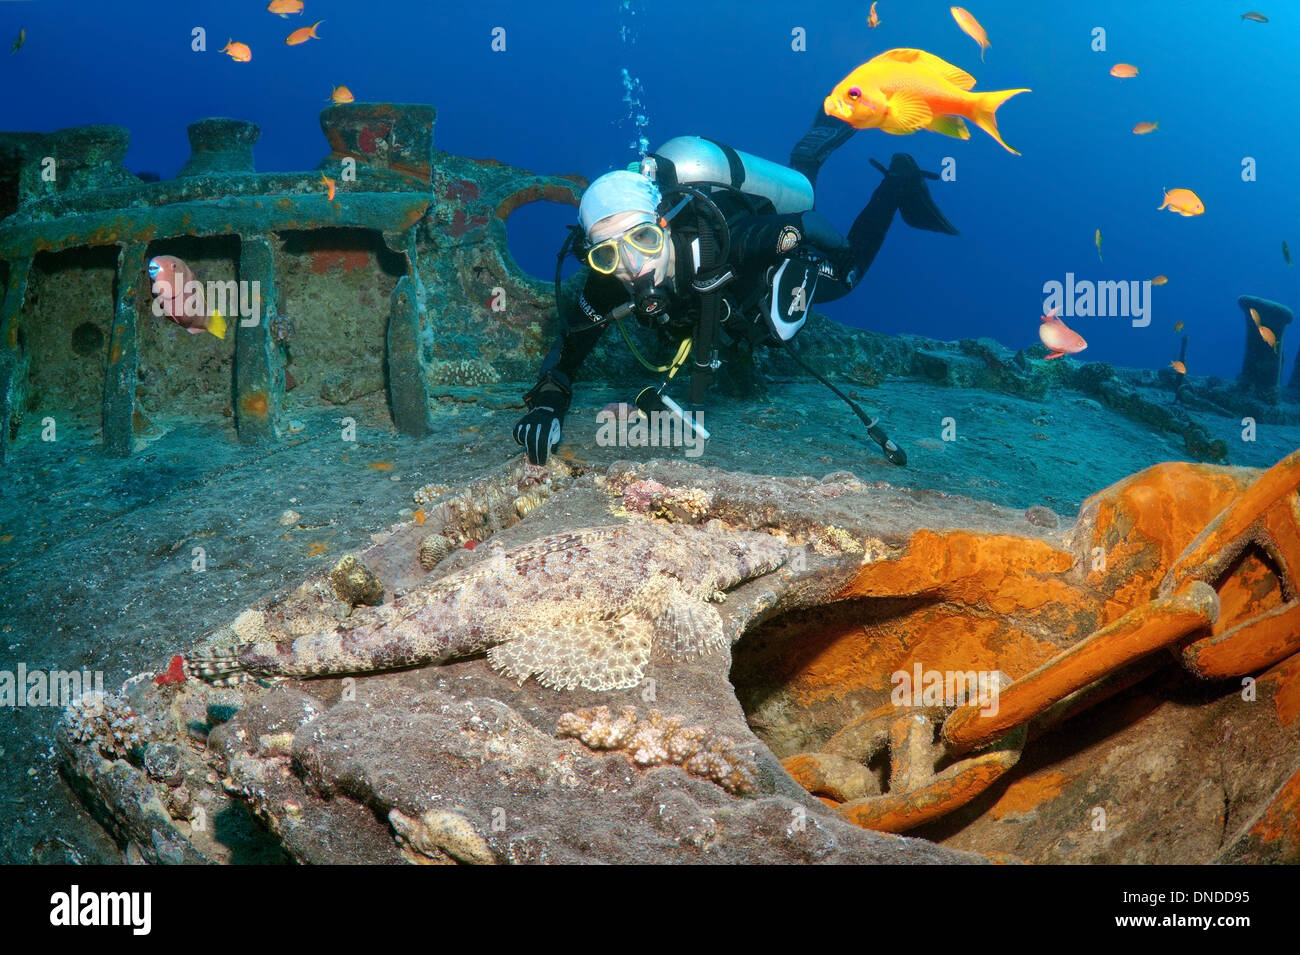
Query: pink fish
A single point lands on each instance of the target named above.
(1059, 339)
(174, 283)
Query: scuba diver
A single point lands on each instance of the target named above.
(704, 239)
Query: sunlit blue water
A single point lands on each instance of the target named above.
(554, 101)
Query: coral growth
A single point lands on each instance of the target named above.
(680, 505)
(660, 740)
(108, 721)
(464, 372)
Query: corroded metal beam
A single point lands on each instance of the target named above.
(259, 377)
(123, 354)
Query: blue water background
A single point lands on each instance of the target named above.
(1221, 88)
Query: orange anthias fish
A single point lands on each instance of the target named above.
(1183, 201)
(1178, 326)
(1254, 315)
(1141, 129)
(1179, 367)
(971, 27)
(329, 185)
(303, 34)
(873, 21)
(1059, 339)
(239, 52)
(1268, 335)
(285, 7)
(342, 94)
(180, 296)
(1160, 280)
(1125, 71)
(903, 90)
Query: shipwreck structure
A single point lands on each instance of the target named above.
(405, 237)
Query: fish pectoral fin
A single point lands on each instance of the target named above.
(949, 125)
(906, 113)
(953, 74)
(685, 626)
(593, 654)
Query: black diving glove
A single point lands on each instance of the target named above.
(539, 431)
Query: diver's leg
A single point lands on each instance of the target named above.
(826, 135)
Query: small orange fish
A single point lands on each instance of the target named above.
(239, 52)
(1141, 129)
(1179, 367)
(873, 21)
(329, 185)
(1267, 334)
(1255, 315)
(971, 27)
(1160, 280)
(303, 34)
(1058, 337)
(1253, 15)
(317, 547)
(285, 7)
(1183, 201)
(1125, 71)
(342, 94)
(1178, 326)
(419, 516)
(381, 465)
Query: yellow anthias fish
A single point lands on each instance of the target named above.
(1178, 326)
(971, 27)
(1268, 335)
(1160, 280)
(303, 34)
(903, 90)
(1183, 201)
(342, 94)
(22, 38)
(1141, 129)
(239, 52)
(1254, 315)
(1096, 240)
(873, 21)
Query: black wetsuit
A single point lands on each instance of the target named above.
(760, 238)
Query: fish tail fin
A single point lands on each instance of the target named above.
(217, 324)
(313, 28)
(985, 113)
(218, 667)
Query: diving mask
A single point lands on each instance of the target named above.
(646, 238)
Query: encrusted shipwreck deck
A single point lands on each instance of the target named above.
(409, 238)
(808, 595)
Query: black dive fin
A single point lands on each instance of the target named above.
(914, 201)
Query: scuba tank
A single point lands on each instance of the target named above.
(697, 161)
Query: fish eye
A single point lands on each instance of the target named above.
(855, 93)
